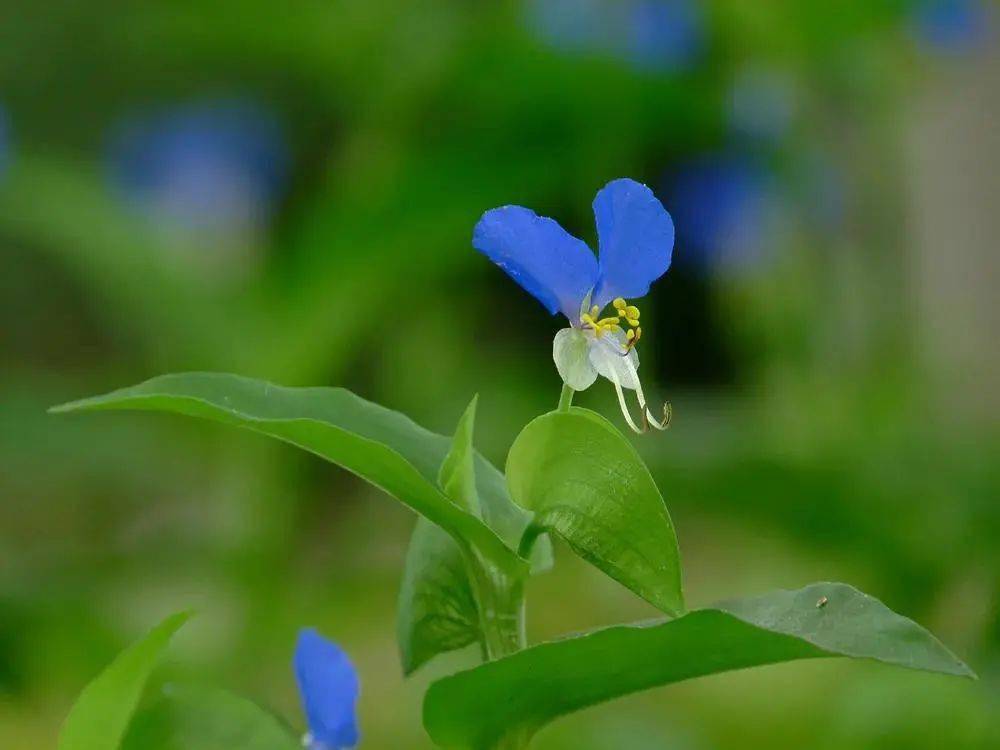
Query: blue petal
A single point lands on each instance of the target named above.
(328, 685)
(636, 239)
(541, 256)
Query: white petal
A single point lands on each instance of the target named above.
(570, 351)
(608, 358)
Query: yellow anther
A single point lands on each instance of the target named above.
(600, 326)
(632, 338)
(588, 321)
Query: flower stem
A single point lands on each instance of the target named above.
(500, 601)
(565, 398)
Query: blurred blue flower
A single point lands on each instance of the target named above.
(722, 206)
(636, 237)
(328, 686)
(763, 104)
(571, 25)
(825, 189)
(951, 27)
(648, 34)
(664, 34)
(4, 141)
(215, 166)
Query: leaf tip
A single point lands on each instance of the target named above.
(63, 408)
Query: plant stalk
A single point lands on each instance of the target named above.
(565, 398)
(500, 601)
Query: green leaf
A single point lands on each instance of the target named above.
(101, 714)
(457, 476)
(451, 596)
(383, 447)
(189, 717)
(437, 609)
(510, 699)
(585, 482)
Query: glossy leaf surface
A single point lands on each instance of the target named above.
(508, 700)
(194, 717)
(382, 446)
(101, 714)
(585, 482)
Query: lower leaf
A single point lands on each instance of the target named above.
(437, 609)
(101, 714)
(508, 700)
(190, 717)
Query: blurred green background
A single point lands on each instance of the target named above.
(288, 190)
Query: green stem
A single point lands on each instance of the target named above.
(500, 601)
(565, 398)
(528, 540)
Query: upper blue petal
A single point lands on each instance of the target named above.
(541, 256)
(636, 240)
(328, 685)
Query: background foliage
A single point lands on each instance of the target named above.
(288, 193)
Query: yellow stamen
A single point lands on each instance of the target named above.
(632, 337)
(600, 326)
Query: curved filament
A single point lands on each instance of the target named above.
(624, 406)
(648, 420)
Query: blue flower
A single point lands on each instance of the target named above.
(213, 166)
(648, 34)
(4, 141)
(951, 27)
(665, 34)
(328, 685)
(572, 25)
(763, 104)
(723, 205)
(636, 238)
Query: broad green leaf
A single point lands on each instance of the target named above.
(101, 714)
(451, 596)
(437, 609)
(585, 482)
(189, 717)
(379, 445)
(508, 700)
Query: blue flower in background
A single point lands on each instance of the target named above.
(4, 141)
(573, 25)
(214, 167)
(648, 34)
(664, 34)
(763, 104)
(328, 685)
(722, 206)
(636, 238)
(825, 190)
(951, 27)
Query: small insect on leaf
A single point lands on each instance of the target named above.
(822, 602)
